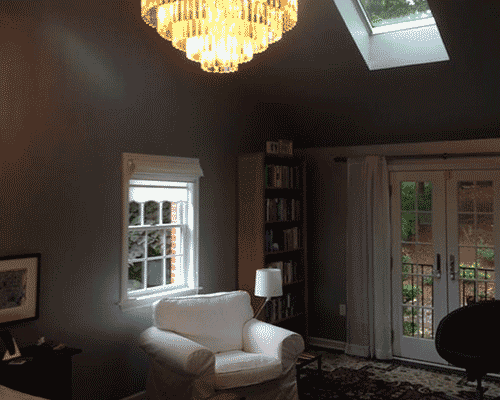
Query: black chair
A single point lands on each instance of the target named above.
(469, 338)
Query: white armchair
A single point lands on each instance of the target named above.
(210, 347)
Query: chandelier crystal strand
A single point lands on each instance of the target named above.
(220, 34)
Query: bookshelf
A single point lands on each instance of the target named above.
(272, 233)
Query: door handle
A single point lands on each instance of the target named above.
(437, 274)
(452, 267)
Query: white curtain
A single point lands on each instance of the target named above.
(368, 259)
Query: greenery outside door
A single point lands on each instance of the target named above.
(443, 244)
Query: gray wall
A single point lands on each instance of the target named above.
(326, 237)
(75, 95)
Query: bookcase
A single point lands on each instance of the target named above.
(272, 233)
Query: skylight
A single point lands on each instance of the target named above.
(394, 15)
(400, 32)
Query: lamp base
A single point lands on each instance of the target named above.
(256, 316)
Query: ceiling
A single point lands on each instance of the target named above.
(313, 86)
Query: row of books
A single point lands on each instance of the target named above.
(283, 240)
(289, 270)
(282, 307)
(282, 176)
(281, 209)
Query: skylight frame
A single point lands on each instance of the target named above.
(400, 26)
(394, 49)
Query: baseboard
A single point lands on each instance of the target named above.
(137, 396)
(326, 343)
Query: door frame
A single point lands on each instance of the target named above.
(445, 167)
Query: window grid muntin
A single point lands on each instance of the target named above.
(180, 213)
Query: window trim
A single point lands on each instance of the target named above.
(144, 166)
(392, 49)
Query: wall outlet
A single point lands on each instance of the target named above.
(342, 309)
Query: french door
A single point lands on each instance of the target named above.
(445, 231)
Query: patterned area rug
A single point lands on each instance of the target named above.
(347, 378)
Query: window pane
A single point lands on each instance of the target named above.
(155, 243)
(151, 213)
(408, 196)
(466, 232)
(384, 12)
(134, 213)
(485, 229)
(425, 196)
(135, 276)
(465, 197)
(170, 266)
(136, 241)
(425, 228)
(155, 273)
(484, 195)
(166, 213)
(408, 227)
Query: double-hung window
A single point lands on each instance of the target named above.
(160, 228)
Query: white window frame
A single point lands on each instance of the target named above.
(162, 168)
(413, 46)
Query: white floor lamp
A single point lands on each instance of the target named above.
(268, 283)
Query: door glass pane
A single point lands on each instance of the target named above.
(475, 241)
(417, 259)
(466, 229)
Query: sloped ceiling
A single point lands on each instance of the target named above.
(314, 87)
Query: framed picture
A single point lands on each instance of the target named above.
(285, 147)
(19, 288)
(272, 147)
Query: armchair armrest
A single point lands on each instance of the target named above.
(273, 341)
(177, 352)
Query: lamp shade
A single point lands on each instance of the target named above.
(268, 282)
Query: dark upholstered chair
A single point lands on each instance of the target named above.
(468, 337)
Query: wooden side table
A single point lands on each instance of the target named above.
(46, 373)
(308, 358)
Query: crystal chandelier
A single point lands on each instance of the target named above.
(220, 34)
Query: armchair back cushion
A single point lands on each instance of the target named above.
(212, 320)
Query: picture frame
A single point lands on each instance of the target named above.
(272, 147)
(19, 288)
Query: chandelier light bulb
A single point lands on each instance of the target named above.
(220, 34)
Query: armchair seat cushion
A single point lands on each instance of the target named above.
(238, 368)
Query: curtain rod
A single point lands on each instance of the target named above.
(444, 156)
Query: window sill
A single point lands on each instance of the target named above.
(132, 304)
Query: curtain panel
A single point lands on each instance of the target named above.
(368, 319)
